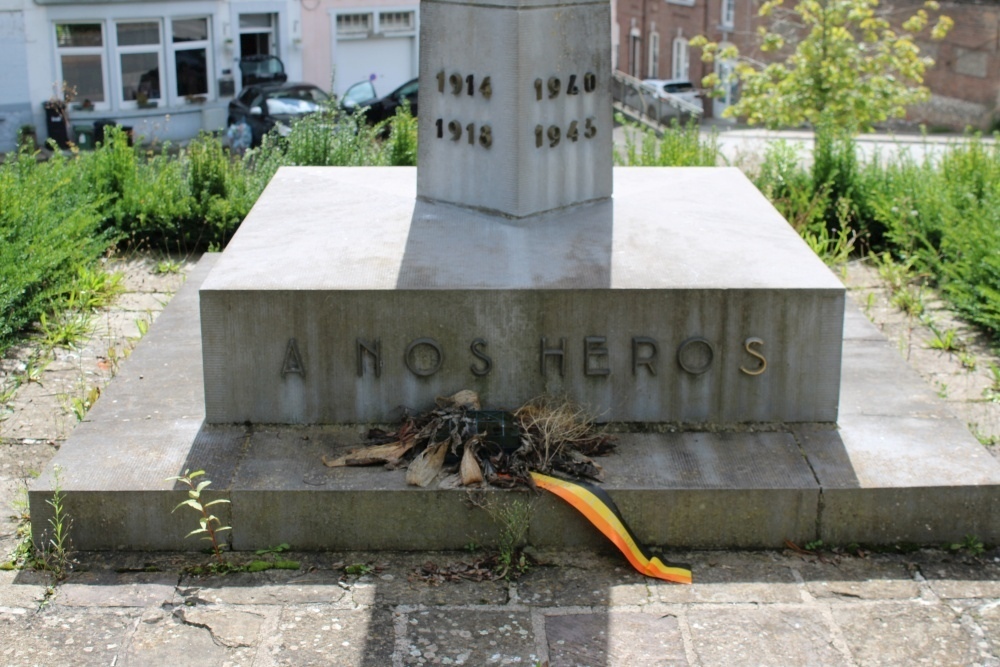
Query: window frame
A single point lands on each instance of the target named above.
(101, 51)
(171, 53)
(158, 49)
(728, 16)
(681, 47)
(653, 60)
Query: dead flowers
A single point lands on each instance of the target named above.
(471, 446)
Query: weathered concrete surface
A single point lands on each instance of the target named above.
(900, 471)
(542, 138)
(641, 315)
(573, 608)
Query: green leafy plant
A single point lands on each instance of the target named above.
(359, 569)
(944, 341)
(168, 266)
(679, 146)
(68, 330)
(967, 360)
(512, 516)
(34, 367)
(992, 392)
(81, 405)
(970, 544)
(209, 525)
(910, 301)
(94, 288)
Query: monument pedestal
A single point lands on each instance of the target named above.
(896, 467)
(686, 299)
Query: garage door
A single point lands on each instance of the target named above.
(388, 62)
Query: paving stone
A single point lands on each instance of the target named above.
(950, 576)
(615, 639)
(987, 616)
(468, 637)
(779, 635)
(162, 640)
(268, 587)
(905, 633)
(875, 577)
(398, 581)
(230, 627)
(123, 595)
(589, 581)
(70, 637)
(763, 577)
(18, 598)
(323, 635)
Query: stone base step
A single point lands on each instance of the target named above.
(897, 468)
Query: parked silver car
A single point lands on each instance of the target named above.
(672, 98)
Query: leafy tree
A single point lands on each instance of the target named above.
(835, 63)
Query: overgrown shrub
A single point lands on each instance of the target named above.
(49, 228)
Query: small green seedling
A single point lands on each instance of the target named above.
(944, 341)
(359, 569)
(971, 544)
(210, 524)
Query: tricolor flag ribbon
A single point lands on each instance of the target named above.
(598, 507)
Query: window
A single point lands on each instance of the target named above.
(80, 49)
(728, 13)
(190, 47)
(139, 55)
(680, 63)
(136, 63)
(654, 54)
(350, 25)
(257, 34)
(395, 21)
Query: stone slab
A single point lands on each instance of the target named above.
(615, 639)
(423, 300)
(875, 478)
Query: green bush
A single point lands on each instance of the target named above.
(49, 228)
(679, 146)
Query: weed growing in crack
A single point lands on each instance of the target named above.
(944, 341)
(68, 330)
(970, 544)
(992, 392)
(58, 549)
(81, 405)
(512, 515)
(210, 525)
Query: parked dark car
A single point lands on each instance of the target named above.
(266, 106)
(362, 94)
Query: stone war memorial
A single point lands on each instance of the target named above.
(751, 401)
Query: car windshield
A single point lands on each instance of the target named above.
(296, 102)
(684, 87)
(358, 93)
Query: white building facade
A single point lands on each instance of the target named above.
(165, 69)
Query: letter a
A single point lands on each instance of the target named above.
(293, 360)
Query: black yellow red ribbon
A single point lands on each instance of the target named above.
(598, 507)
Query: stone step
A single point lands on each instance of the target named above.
(898, 467)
